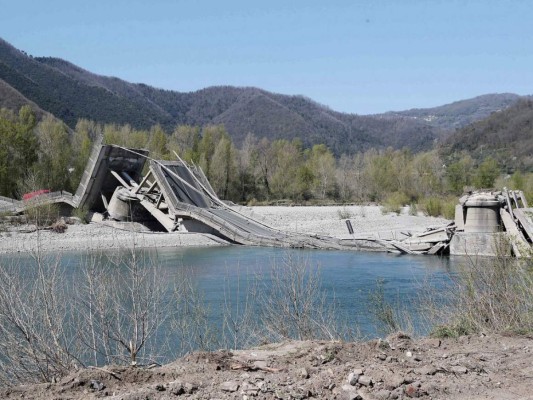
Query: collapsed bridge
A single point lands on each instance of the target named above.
(174, 196)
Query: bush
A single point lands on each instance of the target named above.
(432, 206)
(487, 295)
(395, 201)
(344, 213)
(448, 208)
(41, 215)
(81, 213)
(388, 316)
(439, 207)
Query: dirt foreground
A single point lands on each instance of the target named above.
(471, 367)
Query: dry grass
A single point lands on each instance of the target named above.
(487, 295)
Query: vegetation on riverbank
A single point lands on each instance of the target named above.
(51, 157)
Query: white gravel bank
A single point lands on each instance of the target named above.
(367, 220)
(98, 237)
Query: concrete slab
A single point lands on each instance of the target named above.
(479, 244)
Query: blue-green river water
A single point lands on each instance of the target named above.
(346, 279)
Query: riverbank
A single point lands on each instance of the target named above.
(478, 367)
(327, 220)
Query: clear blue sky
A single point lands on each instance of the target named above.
(353, 56)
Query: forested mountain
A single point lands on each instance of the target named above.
(11, 99)
(70, 93)
(506, 136)
(460, 113)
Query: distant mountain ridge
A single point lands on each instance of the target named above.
(463, 112)
(70, 92)
(506, 136)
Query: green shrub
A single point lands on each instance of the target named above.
(41, 215)
(439, 207)
(81, 213)
(432, 206)
(448, 208)
(395, 201)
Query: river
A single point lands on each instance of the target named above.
(348, 281)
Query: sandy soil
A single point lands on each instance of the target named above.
(472, 367)
(366, 220)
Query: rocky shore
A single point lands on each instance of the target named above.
(471, 367)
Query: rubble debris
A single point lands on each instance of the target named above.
(482, 219)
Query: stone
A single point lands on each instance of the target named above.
(394, 382)
(96, 385)
(176, 388)
(408, 354)
(353, 378)
(382, 356)
(365, 380)
(426, 370)
(229, 386)
(411, 391)
(350, 393)
(382, 394)
(190, 387)
(304, 373)
(459, 369)
(434, 342)
(260, 364)
(160, 387)
(248, 388)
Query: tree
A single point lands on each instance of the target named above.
(264, 163)
(246, 160)
(486, 173)
(427, 174)
(184, 141)
(322, 164)
(211, 135)
(85, 133)
(223, 169)
(18, 149)
(458, 174)
(158, 143)
(55, 155)
(287, 158)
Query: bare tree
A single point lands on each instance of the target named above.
(293, 305)
(239, 325)
(124, 300)
(191, 320)
(37, 343)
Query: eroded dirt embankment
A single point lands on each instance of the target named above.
(472, 367)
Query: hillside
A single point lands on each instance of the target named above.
(70, 92)
(11, 99)
(506, 135)
(461, 113)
